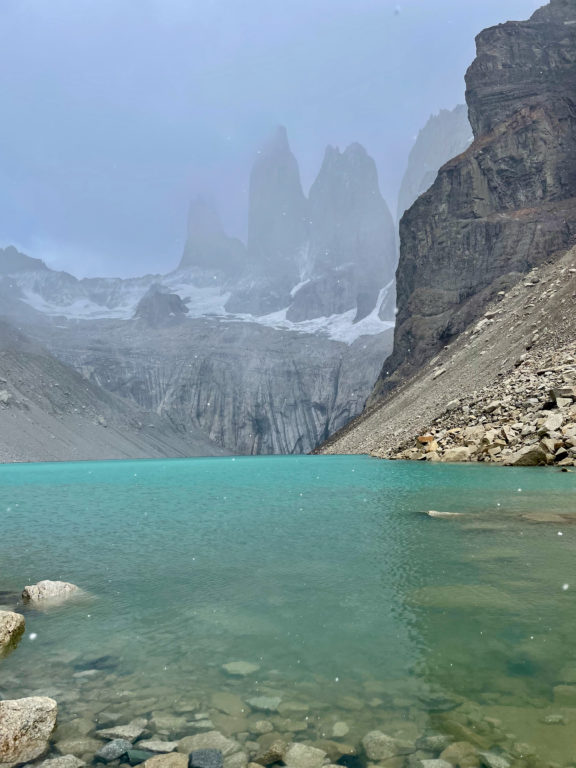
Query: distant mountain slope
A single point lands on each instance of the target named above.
(49, 412)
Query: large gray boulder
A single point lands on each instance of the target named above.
(12, 627)
(50, 591)
(25, 729)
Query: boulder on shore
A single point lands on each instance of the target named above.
(25, 728)
(12, 627)
(55, 591)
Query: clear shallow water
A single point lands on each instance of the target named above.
(322, 570)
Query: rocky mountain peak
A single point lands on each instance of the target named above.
(11, 260)
(278, 217)
(207, 246)
(352, 242)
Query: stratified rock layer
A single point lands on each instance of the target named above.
(504, 206)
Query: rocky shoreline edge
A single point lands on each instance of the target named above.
(527, 419)
(229, 730)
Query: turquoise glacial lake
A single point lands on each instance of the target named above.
(359, 610)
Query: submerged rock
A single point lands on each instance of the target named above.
(265, 703)
(240, 668)
(113, 750)
(25, 729)
(65, 761)
(434, 513)
(50, 590)
(157, 745)
(138, 756)
(79, 746)
(12, 626)
(379, 746)
(340, 729)
(210, 740)
(129, 732)
(461, 754)
(172, 760)
(304, 756)
(206, 758)
(492, 760)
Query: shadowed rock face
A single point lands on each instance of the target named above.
(444, 136)
(208, 247)
(506, 204)
(159, 307)
(352, 241)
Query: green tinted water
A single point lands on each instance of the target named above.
(325, 572)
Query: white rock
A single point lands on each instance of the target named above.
(157, 745)
(56, 591)
(240, 668)
(340, 729)
(129, 732)
(303, 756)
(25, 728)
(378, 746)
(434, 513)
(461, 453)
(210, 740)
(66, 761)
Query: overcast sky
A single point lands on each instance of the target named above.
(115, 113)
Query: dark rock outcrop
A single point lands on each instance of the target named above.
(160, 307)
(207, 246)
(505, 205)
(352, 247)
(444, 136)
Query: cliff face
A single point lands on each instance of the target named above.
(326, 255)
(444, 136)
(249, 388)
(49, 412)
(505, 205)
